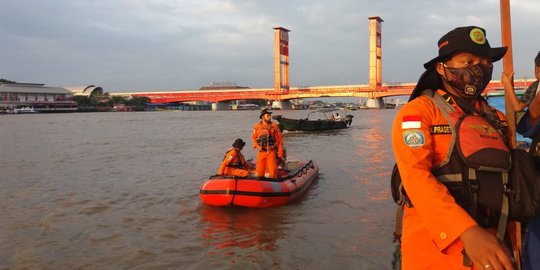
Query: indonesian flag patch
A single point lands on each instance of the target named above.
(411, 121)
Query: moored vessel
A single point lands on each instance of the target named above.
(319, 120)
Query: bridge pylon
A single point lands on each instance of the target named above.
(375, 59)
(281, 60)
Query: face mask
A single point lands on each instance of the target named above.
(470, 81)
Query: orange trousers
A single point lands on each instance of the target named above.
(266, 162)
(231, 171)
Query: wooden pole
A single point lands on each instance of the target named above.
(508, 65)
(514, 228)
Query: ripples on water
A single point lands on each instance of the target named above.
(120, 191)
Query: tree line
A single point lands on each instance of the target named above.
(105, 100)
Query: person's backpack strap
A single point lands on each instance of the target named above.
(398, 228)
(505, 209)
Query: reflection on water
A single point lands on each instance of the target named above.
(240, 227)
(120, 191)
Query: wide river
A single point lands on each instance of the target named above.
(120, 191)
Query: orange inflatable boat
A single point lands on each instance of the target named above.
(293, 182)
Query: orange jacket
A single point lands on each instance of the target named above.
(431, 229)
(274, 131)
(233, 156)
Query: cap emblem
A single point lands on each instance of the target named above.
(477, 36)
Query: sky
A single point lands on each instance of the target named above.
(164, 45)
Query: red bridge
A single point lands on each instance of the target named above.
(282, 92)
(361, 91)
(270, 94)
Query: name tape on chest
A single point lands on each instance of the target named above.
(440, 129)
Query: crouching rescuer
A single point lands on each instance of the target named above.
(234, 163)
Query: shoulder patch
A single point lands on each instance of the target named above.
(414, 138)
(411, 121)
(440, 129)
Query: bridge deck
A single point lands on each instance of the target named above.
(364, 91)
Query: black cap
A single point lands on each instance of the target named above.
(471, 39)
(264, 111)
(239, 143)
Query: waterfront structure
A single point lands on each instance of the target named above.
(375, 60)
(360, 91)
(86, 91)
(281, 60)
(40, 98)
(222, 86)
(188, 106)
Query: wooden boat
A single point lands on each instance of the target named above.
(318, 120)
(292, 183)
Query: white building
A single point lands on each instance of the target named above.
(85, 90)
(37, 96)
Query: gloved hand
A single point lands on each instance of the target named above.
(282, 162)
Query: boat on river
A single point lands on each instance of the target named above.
(22, 110)
(247, 106)
(319, 120)
(293, 181)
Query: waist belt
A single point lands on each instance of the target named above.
(264, 149)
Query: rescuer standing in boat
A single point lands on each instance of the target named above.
(234, 163)
(448, 220)
(267, 139)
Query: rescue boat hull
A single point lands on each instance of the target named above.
(260, 193)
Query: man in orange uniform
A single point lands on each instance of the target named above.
(439, 231)
(267, 139)
(234, 163)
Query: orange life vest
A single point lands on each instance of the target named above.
(266, 136)
(238, 159)
(476, 167)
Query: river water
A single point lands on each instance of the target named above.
(120, 191)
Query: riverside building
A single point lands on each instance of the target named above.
(36, 98)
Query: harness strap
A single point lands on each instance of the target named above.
(466, 260)
(472, 191)
(503, 218)
(447, 178)
(399, 223)
(444, 104)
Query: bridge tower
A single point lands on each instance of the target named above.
(375, 59)
(281, 60)
(281, 65)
